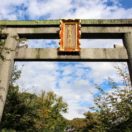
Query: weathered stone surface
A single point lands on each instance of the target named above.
(128, 45)
(49, 29)
(118, 46)
(29, 23)
(84, 29)
(87, 32)
(106, 21)
(57, 22)
(85, 54)
(6, 68)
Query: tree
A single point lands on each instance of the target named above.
(19, 109)
(76, 125)
(29, 112)
(92, 122)
(49, 111)
(114, 108)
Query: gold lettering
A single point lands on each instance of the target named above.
(69, 36)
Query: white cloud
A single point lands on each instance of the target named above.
(8, 9)
(72, 81)
(37, 76)
(102, 70)
(55, 9)
(45, 76)
(52, 8)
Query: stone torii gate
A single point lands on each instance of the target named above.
(49, 29)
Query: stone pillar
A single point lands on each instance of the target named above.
(128, 45)
(6, 67)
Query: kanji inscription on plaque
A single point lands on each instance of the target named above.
(69, 36)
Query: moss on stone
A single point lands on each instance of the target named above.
(29, 23)
(57, 22)
(106, 21)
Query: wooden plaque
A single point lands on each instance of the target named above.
(69, 36)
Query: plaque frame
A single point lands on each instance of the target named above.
(70, 43)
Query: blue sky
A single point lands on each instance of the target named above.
(72, 80)
(54, 9)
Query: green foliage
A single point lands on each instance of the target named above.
(25, 111)
(114, 108)
(2, 42)
(92, 122)
(29, 112)
(15, 75)
(49, 111)
(7, 130)
(77, 125)
(19, 112)
(43, 113)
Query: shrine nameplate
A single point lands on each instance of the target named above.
(69, 36)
